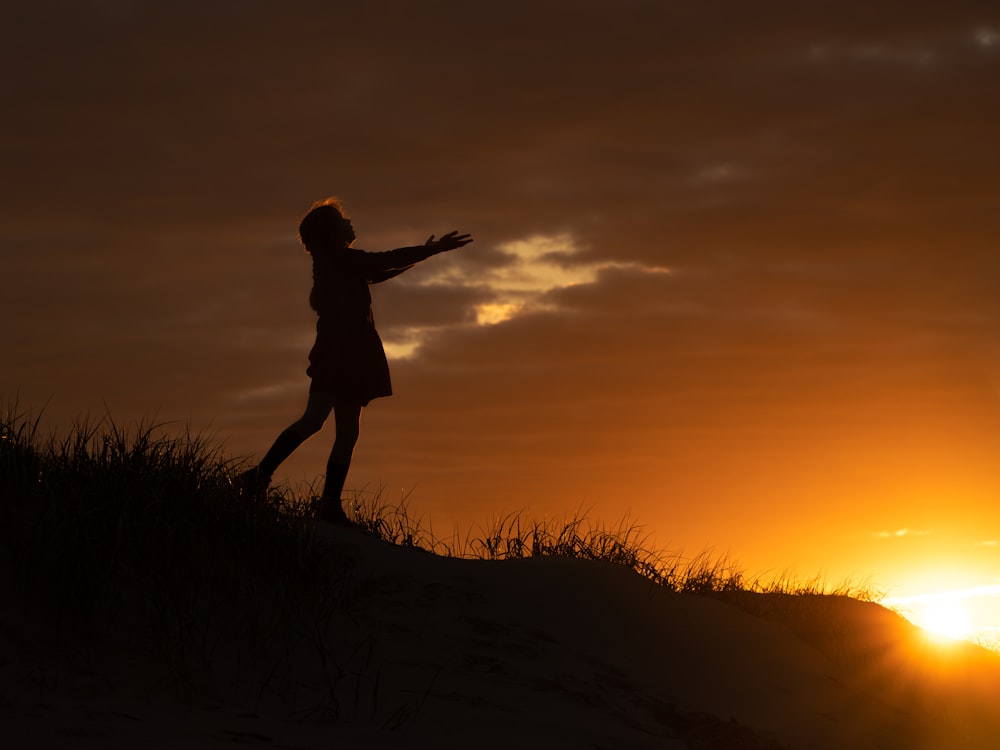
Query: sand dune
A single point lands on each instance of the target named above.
(543, 652)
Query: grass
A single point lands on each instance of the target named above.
(110, 532)
(625, 543)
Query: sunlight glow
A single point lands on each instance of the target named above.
(958, 614)
(946, 617)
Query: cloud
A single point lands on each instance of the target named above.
(523, 277)
(987, 38)
(900, 533)
(910, 57)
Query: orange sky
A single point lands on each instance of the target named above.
(735, 269)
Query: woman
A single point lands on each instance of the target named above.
(347, 364)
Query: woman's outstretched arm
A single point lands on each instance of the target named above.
(382, 266)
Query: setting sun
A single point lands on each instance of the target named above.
(957, 614)
(945, 617)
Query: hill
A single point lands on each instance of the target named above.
(148, 604)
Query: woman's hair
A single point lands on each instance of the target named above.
(314, 229)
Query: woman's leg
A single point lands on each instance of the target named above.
(347, 416)
(317, 410)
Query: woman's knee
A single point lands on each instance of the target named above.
(308, 425)
(315, 416)
(345, 440)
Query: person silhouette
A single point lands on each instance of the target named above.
(347, 363)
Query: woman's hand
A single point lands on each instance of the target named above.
(450, 241)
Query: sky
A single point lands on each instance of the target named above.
(735, 271)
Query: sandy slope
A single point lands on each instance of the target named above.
(547, 653)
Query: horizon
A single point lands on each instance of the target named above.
(734, 270)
